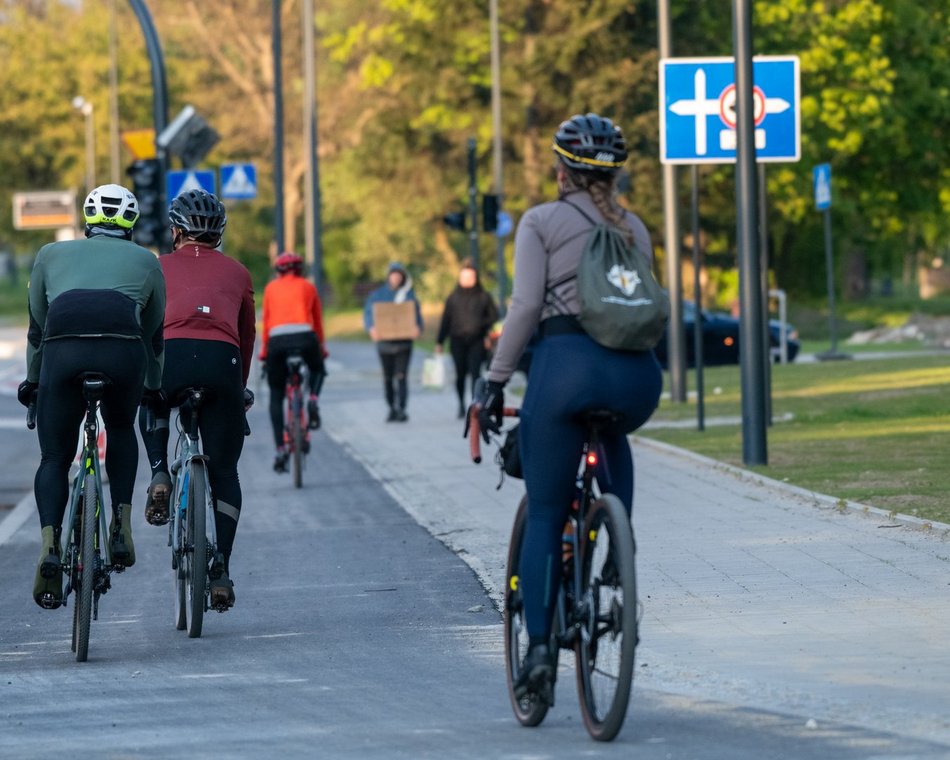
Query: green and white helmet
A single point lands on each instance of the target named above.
(111, 204)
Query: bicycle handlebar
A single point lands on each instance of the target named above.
(475, 431)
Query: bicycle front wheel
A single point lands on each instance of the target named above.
(605, 648)
(196, 556)
(529, 710)
(87, 562)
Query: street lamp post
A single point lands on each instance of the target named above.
(84, 106)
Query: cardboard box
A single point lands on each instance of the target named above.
(395, 321)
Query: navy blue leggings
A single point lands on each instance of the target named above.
(571, 374)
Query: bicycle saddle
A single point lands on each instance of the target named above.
(93, 384)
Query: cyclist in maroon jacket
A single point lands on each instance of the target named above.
(209, 342)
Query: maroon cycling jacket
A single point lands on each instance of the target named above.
(209, 297)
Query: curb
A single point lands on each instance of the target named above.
(815, 499)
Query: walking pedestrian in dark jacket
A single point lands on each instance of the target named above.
(467, 318)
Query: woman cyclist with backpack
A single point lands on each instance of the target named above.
(570, 372)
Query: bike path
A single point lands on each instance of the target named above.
(753, 594)
(356, 633)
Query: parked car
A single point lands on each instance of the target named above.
(721, 338)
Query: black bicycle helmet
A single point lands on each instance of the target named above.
(198, 214)
(590, 143)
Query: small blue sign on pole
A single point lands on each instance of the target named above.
(504, 225)
(177, 182)
(239, 181)
(821, 176)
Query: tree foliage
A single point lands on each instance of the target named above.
(402, 85)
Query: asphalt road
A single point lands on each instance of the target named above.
(355, 634)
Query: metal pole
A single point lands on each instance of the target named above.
(754, 449)
(472, 203)
(675, 334)
(114, 170)
(764, 255)
(89, 114)
(159, 108)
(278, 128)
(502, 275)
(830, 267)
(312, 211)
(698, 299)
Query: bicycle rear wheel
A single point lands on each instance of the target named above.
(529, 710)
(296, 436)
(87, 560)
(196, 557)
(605, 648)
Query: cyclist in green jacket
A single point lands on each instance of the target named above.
(96, 305)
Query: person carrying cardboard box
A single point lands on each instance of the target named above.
(393, 320)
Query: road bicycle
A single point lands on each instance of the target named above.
(196, 560)
(596, 609)
(86, 557)
(296, 432)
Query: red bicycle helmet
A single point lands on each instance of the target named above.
(288, 261)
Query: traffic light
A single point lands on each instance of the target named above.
(148, 185)
(455, 220)
(489, 213)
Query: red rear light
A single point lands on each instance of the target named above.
(592, 459)
(728, 340)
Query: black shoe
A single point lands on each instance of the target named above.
(280, 461)
(401, 416)
(313, 414)
(537, 675)
(393, 416)
(461, 412)
(222, 593)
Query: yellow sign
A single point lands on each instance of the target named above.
(140, 142)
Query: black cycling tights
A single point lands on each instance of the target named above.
(214, 365)
(61, 408)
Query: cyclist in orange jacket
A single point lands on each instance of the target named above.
(293, 324)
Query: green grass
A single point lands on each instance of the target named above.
(13, 300)
(875, 431)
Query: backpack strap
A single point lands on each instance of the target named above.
(581, 211)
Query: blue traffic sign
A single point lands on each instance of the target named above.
(238, 181)
(504, 225)
(698, 110)
(821, 179)
(177, 182)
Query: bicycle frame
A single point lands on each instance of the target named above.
(88, 468)
(298, 376)
(188, 449)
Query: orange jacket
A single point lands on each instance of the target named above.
(290, 299)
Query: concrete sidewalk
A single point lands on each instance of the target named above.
(753, 593)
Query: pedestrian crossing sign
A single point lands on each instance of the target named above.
(178, 182)
(238, 181)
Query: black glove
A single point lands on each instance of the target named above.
(248, 399)
(154, 398)
(25, 391)
(491, 408)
